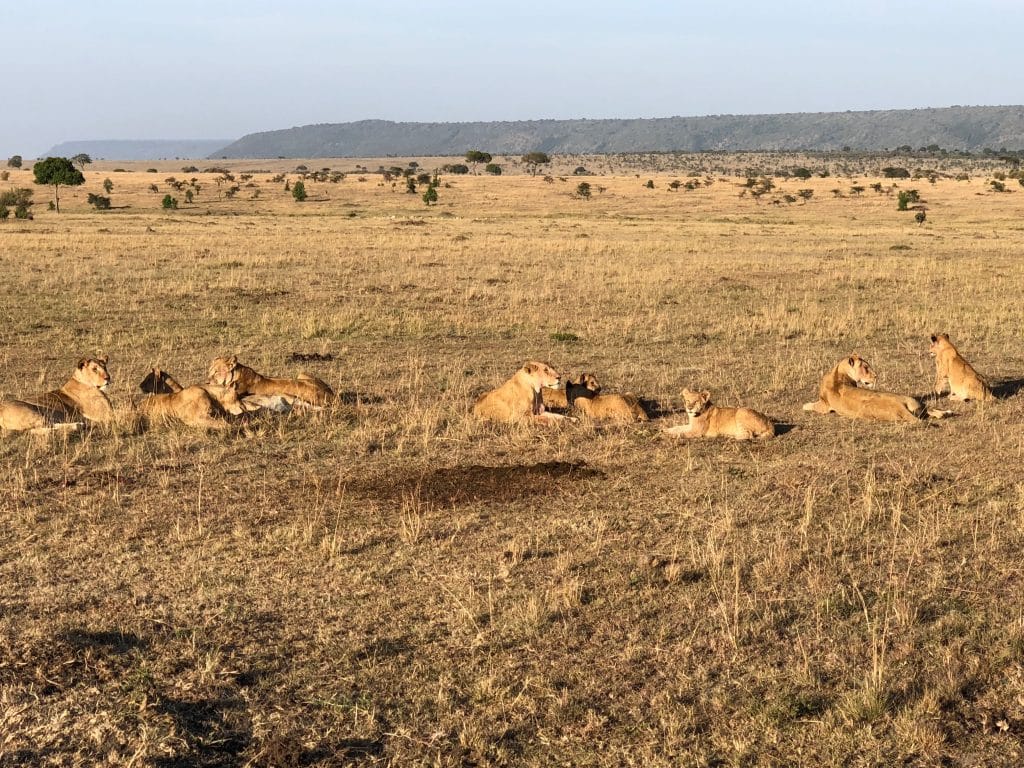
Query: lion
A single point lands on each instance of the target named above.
(708, 420)
(206, 406)
(583, 395)
(955, 373)
(578, 385)
(227, 371)
(848, 390)
(83, 397)
(520, 397)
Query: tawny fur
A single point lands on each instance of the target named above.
(520, 397)
(846, 390)
(227, 371)
(81, 398)
(611, 407)
(708, 421)
(193, 406)
(579, 385)
(954, 373)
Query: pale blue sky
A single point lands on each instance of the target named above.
(221, 69)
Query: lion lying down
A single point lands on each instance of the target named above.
(82, 398)
(207, 406)
(847, 390)
(261, 390)
(520, 397)
(707, 420)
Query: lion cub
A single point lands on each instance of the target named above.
(598, 407)
(82, 397)
(707, 420)
(952, 371)
(520, 397)
(574, 386)
(204, 406)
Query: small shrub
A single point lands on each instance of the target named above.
(299, 191)
(152, 170)
(565, 336)
(649, 184)
(919, 217)
(169, 203)
(430, 196)
(99, 202)
(493, 168)
(802, 173)
(108, 186)
(997, 186)
(190, 169)
(583, 190)
(188, 195)
(891, 172)
(458, 169)
(5, 175)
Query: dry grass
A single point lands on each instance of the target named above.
(390, 582)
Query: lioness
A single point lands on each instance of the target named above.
(519, 397)
(227, 371)
(580, 384)
(204, 406)
(707, 420)
(82, 397)
(952, 371)
(847, 390)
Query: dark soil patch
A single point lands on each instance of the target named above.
(464, 484)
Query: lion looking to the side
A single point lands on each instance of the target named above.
(847, 390)
(520, 397)
(227, 371)
(955, 373)
(81, 398)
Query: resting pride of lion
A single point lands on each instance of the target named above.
(954, 373)
(81, 398)
(227, 372)
(848, 390)
(520, 397)
(708, 420)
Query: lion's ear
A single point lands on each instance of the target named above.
(102, 359)
(852, 361)
(528, 367)
(706, 394)
(82, 363)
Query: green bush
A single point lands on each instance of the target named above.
(99, 202)
(169, 203)
(299, 191)
(493, 168)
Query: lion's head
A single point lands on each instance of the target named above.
(940, 341)
(92, 371)
(858, 371)
(540, 375)
(695, 403)
(223, 371)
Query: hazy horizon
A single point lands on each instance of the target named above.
(196, 71)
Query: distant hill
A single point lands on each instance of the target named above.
(964, 128)
(159, 149)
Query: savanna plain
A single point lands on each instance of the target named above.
(390, 582)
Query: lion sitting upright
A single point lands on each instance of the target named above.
(848, 390)
(227, 371)
(955, 373)
(83, 397)
(520, 397)
(707, 420)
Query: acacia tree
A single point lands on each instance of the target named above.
(57, 171)
(81, 160)
(534, 159)
(474, 157)
(14, 161)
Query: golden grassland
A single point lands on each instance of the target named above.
(391, 582)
